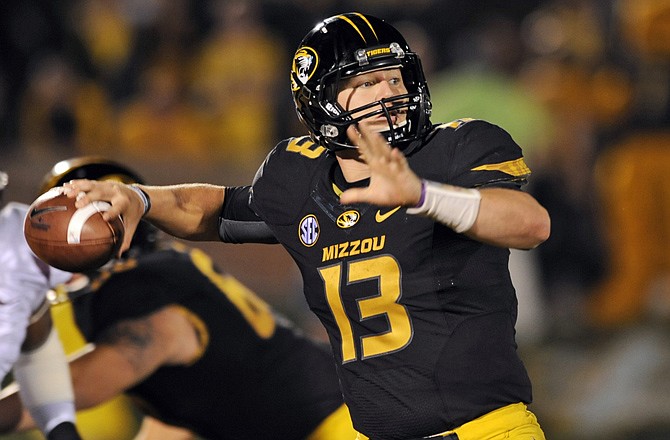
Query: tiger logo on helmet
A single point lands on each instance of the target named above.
(304, 65)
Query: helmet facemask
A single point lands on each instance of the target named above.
(403, 112)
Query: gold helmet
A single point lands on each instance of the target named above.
(88, 167)
(100, 168)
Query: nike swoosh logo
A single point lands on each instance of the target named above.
(381, 217)
(36, 211)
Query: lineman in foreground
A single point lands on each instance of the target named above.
(192, 346)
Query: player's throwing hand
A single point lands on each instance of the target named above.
(124, 201)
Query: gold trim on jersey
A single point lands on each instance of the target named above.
(516, 167)
(456, 124)
(494, 424)
(336, 426)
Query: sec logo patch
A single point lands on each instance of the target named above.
(308, 230)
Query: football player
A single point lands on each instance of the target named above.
(192, 346)
(29, 344)
(401, 229)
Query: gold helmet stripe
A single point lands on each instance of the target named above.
(368, 23)
(353, 25)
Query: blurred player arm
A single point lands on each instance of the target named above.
(127, 353)
(42, 372)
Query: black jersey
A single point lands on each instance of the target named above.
(421, 319)
(257, 377)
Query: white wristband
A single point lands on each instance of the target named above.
(146, 201)
(453, 206)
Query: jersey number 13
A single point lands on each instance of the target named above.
(385, 270)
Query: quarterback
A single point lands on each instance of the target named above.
(401, 229)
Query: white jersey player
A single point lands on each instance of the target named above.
(28, 342)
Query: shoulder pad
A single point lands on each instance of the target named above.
(284, 182)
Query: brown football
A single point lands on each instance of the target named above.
(71, 239)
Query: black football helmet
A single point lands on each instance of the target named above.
(99, 168)
(346, 45)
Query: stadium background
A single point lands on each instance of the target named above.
(187, 90)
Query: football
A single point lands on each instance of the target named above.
(71, 239)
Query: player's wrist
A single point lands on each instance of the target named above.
(453, 206)
(422, 197)
(144, 197)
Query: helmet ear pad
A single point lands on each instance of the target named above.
(347, 45)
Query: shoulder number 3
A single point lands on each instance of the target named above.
(305, 147)
(386, 271)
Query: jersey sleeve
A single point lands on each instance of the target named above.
(238, 223)
(486, 156)
(236, 204)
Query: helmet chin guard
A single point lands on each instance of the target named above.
(347, 45)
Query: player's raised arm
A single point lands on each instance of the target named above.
(188, 211)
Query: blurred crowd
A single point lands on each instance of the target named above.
(198, 90)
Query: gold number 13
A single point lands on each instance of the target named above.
(386, 271)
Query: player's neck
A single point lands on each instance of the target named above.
(352, 166)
